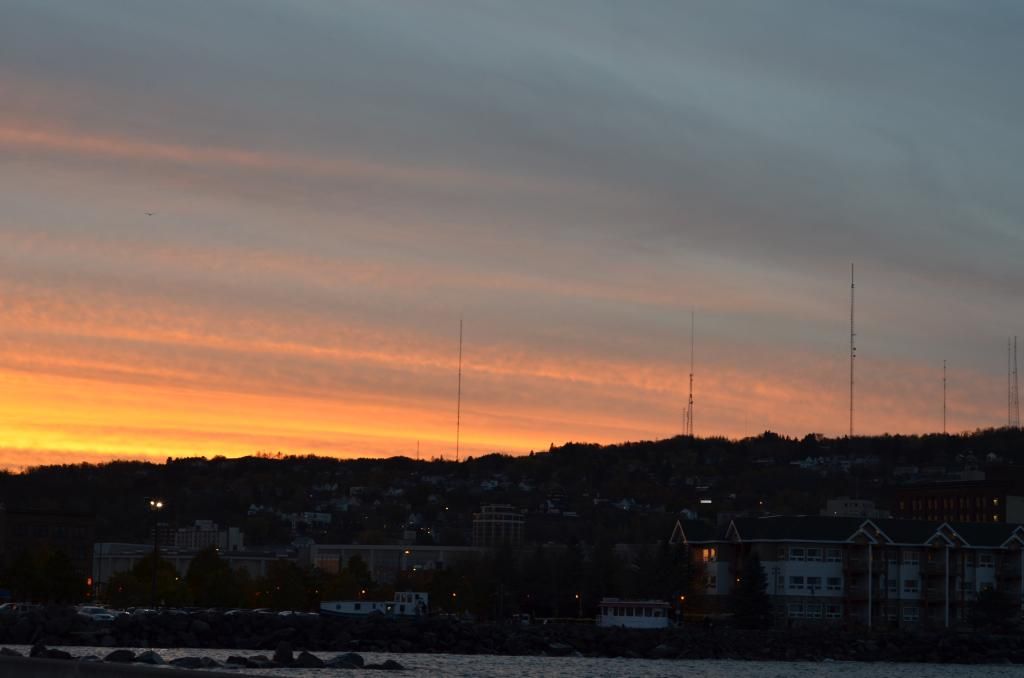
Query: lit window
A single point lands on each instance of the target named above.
(709, 555)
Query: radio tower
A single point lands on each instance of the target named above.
(1013, 401)
(943, 397)
(458, 402)
(688, 422)
(853, 350)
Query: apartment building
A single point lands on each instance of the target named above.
(497, 525)
(859, 571)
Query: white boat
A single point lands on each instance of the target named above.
(405, 604)
(633, 614)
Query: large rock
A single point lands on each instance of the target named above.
(283, 653)
(306, 660)
(120, 656)
(8, 652)
(199, 627)
(150, 657)
(350, 658)
(187, 663)
(559, 649)
(47, 653)
(389, 665)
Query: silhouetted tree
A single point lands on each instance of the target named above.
(211, 581)
(751, 605)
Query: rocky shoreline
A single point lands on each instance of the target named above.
(269, 633)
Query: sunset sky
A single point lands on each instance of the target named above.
(335, 182)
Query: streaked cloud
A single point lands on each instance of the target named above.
(335, 184)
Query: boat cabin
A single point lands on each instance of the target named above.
(633, 614)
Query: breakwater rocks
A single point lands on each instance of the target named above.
(284, 658)
(266, 632)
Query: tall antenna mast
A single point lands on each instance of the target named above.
(1009, 385)
(1016, 388)
(943, 397)
(853, 350)
(458, 405)
(689, 403)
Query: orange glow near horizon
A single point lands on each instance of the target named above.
(216, 267)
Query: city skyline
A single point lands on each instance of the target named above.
(235, 228)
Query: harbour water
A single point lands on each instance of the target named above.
(493, 666)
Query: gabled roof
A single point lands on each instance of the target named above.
(795, 528)
(907, 531)
(693, 532)
(988, 534)
(827, 529)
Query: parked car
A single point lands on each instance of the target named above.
(97, 614)
(18, 608)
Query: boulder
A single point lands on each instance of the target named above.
(389, 665)
(306, 660)
(8, 652)
(559, 649)
(283, 653)
(208, 663)
(199, 627)
(120, 656)
(187, 663)
(150, 657)
(350, 658)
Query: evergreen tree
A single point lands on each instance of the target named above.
(751, 605)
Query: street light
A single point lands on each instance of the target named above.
(579, 604)
(155, 506)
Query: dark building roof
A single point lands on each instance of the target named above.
(810, 528)
(986, 534)
(841, 530)
(907, 531)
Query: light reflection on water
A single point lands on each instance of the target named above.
(493, 666)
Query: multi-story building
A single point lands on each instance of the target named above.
(497, 525)
(200, 535)
(959, 501)
(859, 571)
(845, 507)
(385, 561)
(111, 558)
